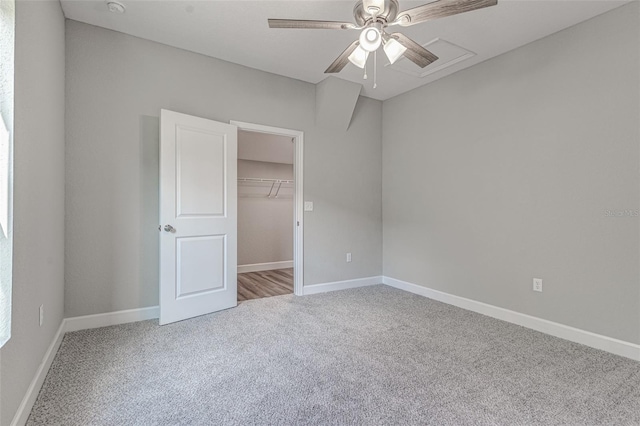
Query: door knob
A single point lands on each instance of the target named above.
(169, 228)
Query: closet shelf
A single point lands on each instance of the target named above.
(276, 184)
(256, 180)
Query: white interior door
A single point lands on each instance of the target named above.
(198, 216)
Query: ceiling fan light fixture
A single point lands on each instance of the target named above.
(370, 39)
(359, 57)
(374, 17)
(393, 49)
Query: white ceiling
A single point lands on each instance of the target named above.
(237, 31)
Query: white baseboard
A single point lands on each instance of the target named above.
(24, 409)
(615, 346)
(256, 267)
(598, 341)
(110, 318)
(341, 285)
(74, 324)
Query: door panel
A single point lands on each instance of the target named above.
(201, 168)
(198, 212)
(200, 265)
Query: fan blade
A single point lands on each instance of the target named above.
(415, 53)
(440, 9)
(343, 59)
(304, 24)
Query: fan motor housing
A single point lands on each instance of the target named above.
(389, 13)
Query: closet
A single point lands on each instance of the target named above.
(265, 215)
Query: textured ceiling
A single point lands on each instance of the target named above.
(237, 31)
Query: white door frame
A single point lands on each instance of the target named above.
(298, 205)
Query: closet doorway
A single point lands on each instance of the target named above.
(269, 211)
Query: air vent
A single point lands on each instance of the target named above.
(448, 54)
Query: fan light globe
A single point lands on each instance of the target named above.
(394, 50)
(370, 39)
(359, 57)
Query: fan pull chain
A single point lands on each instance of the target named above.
(365, 68)
(375, 68)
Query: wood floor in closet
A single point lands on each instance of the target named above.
(256, 285)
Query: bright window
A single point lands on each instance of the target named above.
(5, 234)
(7, 38)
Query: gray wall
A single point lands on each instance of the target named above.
(265, 225)
(116, 86)
(505, 171)
(38, 197)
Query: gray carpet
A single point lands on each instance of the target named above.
(369, 356)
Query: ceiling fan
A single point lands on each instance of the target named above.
(373, 17)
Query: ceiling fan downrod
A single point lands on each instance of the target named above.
(375, 67)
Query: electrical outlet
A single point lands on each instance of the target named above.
(348, 257)
(308, 206)
(41, 315)
(537, 284)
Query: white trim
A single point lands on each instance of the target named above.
(269, 266)
(298, 208)
(598, 341)
(24, 409)
(111, 318)
(341, 285)
(298, 219)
